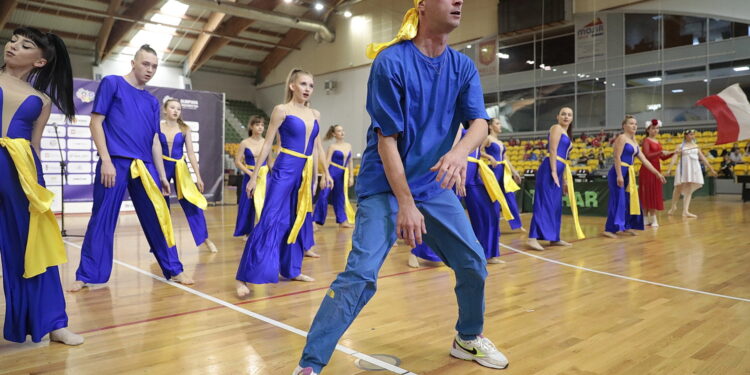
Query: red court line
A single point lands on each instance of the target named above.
(240, 303)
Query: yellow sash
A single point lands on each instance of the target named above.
(138, 169)
(508, 183)
(185, 186)
(304, 195)
(572, 197)
(407, 31)
(347, 205)
(44, 244)
(492, 187)
(259, 194)
(635, 200)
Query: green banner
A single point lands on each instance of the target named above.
(592, 196)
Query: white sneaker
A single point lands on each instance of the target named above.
(481, 350)
(304, 371)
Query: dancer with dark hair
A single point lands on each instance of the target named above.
(125, 128)
(35, 75)
(250, 207)
(650, 188)
(278, 243)
(341, 169)
(175, 135)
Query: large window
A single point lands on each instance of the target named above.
(556, 51)
(516, 58)
(516, 110)
(644, 103)
(684, 31)
(642, 33)
(591, 104)
(679, 102)
(719, 30)
(547, 110)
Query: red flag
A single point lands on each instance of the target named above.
(732, 113)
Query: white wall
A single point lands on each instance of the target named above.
(345, 106)
(236, 87)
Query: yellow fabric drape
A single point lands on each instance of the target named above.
(138, 169)
(350, 214)
(185, 186)
(508, 183)
(304, 195)
(259, 194)
(635, 200)
(407, 31)
(492, 186)
(44, 244)
(572, 197)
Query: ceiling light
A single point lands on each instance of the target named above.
(468, 46)
(530, 62)
(318, 6)
(678, 91)
(347, 14)
(287, 1)
(742, 68)
(484, 49)
(654, 79)
(503, 56)
(653, 107)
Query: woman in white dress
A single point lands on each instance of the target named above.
(688, 177)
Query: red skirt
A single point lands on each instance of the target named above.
(650, 188)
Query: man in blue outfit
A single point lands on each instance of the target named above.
(419, 91)
(125, 129)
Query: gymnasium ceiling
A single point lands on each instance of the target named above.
(194, 34)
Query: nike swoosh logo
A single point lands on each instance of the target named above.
(473, 351)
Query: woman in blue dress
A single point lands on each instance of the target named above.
(494, 150)
(624, 209)
(341, 169)
(248, 209)
(552, 179)
(36, 74)
(278, 243)
(176, 134)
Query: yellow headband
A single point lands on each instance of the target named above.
(407, 31)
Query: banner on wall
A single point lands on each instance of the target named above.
(590, 36)
(487, 57)
(202, 111)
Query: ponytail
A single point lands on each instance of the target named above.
(330, 132)
(56, 77)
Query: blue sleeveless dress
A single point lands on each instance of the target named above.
(195, 216)
(333, 196)
(547, 217)
(245, 207)
(498, 152)
(266, 253)
(618, 209)
(33, 306)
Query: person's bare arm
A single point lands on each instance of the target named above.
(193, 159)
(554, 139)
(409, 221)
(108, 172)
(38, 129)
(156, 153)
(647, 164)
(619, 145)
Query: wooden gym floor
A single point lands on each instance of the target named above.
(673, 300)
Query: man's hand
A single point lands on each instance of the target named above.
(451, 169)
(109, 173)
(410, 224)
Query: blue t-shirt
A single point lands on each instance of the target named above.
(423, 100)
(131, 118)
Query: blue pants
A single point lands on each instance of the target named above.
(449, 234)
(98, 244)
(33, 306)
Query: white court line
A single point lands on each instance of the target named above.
(624, 277)
(341, 348)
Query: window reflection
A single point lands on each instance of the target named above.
(642, 33)
(684, 31)
(516, 110)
